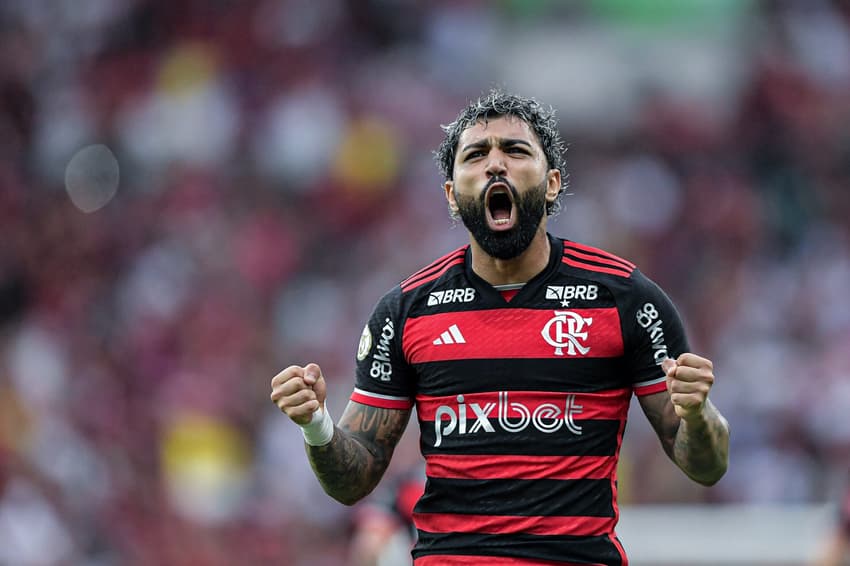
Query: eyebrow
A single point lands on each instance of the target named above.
(503, 142)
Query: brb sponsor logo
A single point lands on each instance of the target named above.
(567, 329)
(465, 295)
(511, 417)
(649, 319)
(567, 292)
(381, 365)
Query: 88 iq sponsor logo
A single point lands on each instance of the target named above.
(381, 365)
(649, 319)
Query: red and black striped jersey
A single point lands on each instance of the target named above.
(521, 404)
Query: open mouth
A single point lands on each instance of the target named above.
(500, 207)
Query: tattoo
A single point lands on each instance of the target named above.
(700, 448)
(351, 465)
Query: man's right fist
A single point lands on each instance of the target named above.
(299, 392)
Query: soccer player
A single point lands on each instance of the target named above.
(520, 352)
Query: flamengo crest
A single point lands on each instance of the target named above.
(567, 329)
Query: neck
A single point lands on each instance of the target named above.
(516, 270)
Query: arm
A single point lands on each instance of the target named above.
(352, 464)
(352, 456)
(692, 431)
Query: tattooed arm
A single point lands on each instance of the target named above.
(352, 464)
(692, 431)
(350, 461)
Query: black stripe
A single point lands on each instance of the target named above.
(548, 498)
(577, 375)
(598, 549)
(597, 438)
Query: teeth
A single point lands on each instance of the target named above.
(502, 221)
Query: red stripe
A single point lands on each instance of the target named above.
(516, 333)
(466, 560)
(513, 524)
(380, 402)
(593, 250)
(472, 467)
(599, 268)
(611, 405)
(439, 267)
(650, 389)
(596, 259)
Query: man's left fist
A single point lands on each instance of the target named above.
(689, 379)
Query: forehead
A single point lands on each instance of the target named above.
(508, 126)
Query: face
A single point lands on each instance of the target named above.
(502, 185)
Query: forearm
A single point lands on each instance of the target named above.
(353, 462)
(346, 469)
(701, 446)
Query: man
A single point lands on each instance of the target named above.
(520, 352)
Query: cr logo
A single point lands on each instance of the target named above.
(567, 330)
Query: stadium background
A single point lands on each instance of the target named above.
(194, 194)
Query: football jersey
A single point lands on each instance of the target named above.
(521, 403)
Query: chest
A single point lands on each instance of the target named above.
(563, 335)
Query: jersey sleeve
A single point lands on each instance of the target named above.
(653, 331)
(383, 377)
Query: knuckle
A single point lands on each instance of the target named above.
(285, 375)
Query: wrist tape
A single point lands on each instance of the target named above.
(320, 430)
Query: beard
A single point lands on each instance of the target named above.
(511, 243)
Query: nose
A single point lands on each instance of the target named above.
(496, 165)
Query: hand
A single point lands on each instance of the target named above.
(689, 379)
(299, 392)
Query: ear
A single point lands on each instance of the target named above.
(553, 185)
(449, 186)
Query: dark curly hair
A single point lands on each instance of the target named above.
(494, 105)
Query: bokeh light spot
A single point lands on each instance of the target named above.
(91, 177)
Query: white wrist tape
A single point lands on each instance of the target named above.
(320, 430)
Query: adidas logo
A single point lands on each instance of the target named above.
(450, 336)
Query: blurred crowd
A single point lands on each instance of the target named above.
(276, 178)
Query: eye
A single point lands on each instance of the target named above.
(474, 154)
(517, 149)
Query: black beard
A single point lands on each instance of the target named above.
(510, 243)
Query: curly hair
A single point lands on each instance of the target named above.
(494, 105)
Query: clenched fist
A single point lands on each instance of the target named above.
(689, 379)
(299, 392)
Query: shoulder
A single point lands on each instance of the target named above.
(600, 266)
(398, 300)
(438, 269)
(596, 260)
(621, 276)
